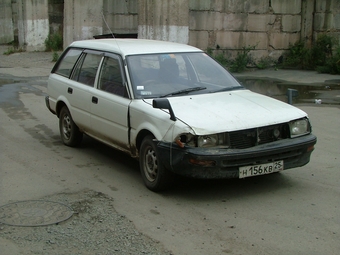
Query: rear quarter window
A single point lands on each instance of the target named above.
(67, 62)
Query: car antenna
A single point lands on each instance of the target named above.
(113, 36)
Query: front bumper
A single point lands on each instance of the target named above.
(219, 163)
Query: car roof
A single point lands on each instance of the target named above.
(134, 46)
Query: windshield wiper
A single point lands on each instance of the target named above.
(183, 91)
(227, 89)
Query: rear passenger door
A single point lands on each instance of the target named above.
(110, 103)
(82, 81)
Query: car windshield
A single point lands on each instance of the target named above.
(176, 74)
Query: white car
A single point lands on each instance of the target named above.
(175, 109)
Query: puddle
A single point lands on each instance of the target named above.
(11, 88)
(325, 93)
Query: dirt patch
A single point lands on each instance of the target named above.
(94, 228)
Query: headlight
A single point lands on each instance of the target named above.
(207, 141)
(299, 127)
(202, 141)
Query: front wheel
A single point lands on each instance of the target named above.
(155, 176)
(69, 131)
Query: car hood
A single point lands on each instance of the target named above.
(231, 111)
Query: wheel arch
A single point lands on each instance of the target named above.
(59, 106)
(141, 135)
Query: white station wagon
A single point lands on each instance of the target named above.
(175, 109)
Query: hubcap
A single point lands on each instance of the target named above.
(67, 126)
(150, 165)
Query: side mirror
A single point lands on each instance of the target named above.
(163, 103)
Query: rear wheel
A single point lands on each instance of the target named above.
(155, 176)
(69, 131)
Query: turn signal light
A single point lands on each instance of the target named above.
(204, 163)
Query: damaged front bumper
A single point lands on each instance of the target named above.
(218, 163)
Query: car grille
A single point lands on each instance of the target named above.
(251, 137)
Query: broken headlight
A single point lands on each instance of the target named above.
(202, 141)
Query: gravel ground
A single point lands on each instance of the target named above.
(94, 228)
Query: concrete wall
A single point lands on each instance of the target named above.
(222, 25)
(6, 28)
(229, 26)
(33, 24)
(56, 16)
(164, 20)
(83, 19)
(121, 17)
(327, 17)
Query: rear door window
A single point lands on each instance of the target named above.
(66, 65)
(86, 69)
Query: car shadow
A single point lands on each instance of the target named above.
(206, 190)
(189, 188)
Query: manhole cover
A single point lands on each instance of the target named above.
(34, 213)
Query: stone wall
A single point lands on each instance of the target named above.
(164, 20)
(121, 17)
(84, 20)
(327, 17)
(221, 25)
(228, 26)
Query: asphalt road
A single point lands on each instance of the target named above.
(294, 212)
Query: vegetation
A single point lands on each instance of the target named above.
(13, 48)
(265, 62)
(323, 56)
(54, 42)
(55, 56)
(237, 65)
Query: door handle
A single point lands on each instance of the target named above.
(95, 100)
(69, 90)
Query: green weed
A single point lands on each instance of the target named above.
(54, 42)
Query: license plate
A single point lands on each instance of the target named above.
(255, 170)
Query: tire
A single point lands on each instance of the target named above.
(155, 176)
(69, 131)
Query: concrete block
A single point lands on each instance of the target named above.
(247, 6)
(199, 5)
(217, 5)
(199, 39)
(178, 34)
(256, 6)
(286, 7)
(323, 21)
(234, 6)
(233, 21)
(122, 23)
(206, 20)
(279, 41)
(260, 22)
(238, 40)
(336, 21)
(168, 13)
(117, 6)
(291, 23)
